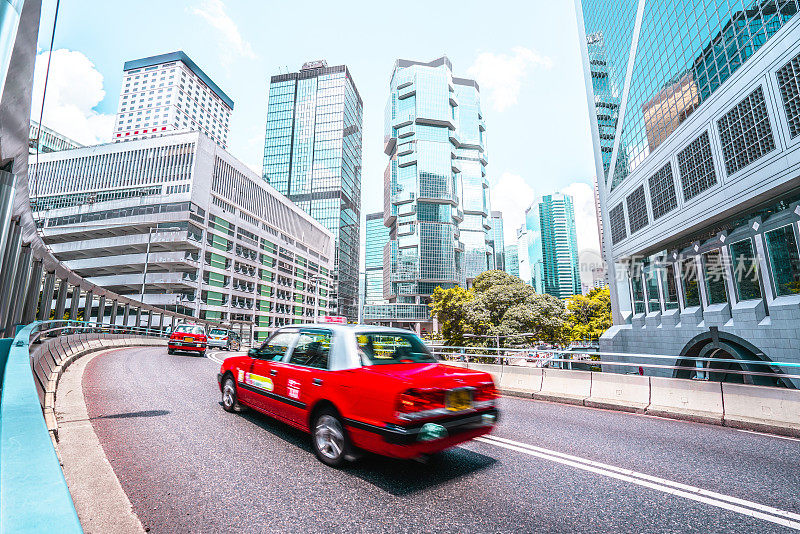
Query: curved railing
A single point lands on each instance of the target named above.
(33, 492)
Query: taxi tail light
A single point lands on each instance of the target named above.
(485, 392)
(417, 400)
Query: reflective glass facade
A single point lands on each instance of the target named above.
(701, 206)
(685, 50)
(512, 260)
(436, 190)
(377, 237)
(553, 246)
(496, 241)
(312, 154)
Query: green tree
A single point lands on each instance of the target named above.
(590, 315)
(449, 306)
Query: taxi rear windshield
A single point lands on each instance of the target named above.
(377, 348)
(218, 332)
(187, 329)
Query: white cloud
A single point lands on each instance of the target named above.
(231, 42)
(500, 76)
(74, 88)
(511, 195)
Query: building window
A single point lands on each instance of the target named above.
(696, 167)
(745, 132)
(745, 270)
(638, 290)
(670, 288)
(637, 210)
(662, 191)
(617, 218)
(651, 280)
(784, 261)
(789, 84)
(714, 276)
(691, 290)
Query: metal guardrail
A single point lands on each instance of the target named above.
(33, 492)
(578, 359)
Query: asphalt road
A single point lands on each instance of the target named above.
(188, 466)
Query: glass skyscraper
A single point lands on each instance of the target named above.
(377, 238)
(512, 260)
(497, 242)
(553, 246)
(436, 193)
(312, 154)
(695, 112)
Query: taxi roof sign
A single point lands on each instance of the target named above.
(334, 319)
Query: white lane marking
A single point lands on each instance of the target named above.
(788, 438)
(210, 356)
(734, 504)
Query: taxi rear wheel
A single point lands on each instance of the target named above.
(329, 438)
(230, 402)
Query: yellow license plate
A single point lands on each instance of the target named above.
(188, 338)
(458, 399)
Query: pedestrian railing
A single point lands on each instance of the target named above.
(759, 372)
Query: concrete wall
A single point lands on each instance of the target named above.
(758, 408)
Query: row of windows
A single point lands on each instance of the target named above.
(737, 269)
(746, 136)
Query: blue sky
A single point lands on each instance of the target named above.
(524, 54)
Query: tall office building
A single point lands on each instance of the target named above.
(377, 238)
(524, 263)
(700, 194)
(512, 260)
(312, 154)
(436, 194)
(181, 224)
(496, 241)
(555, 268)
(168, 93)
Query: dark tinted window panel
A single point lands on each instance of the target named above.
(745, 132)
(696, 167)
(662, 191)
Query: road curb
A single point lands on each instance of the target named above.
(101, 503)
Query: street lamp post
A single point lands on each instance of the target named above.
(147, 254)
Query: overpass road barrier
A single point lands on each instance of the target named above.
(493, 369)
(630, 393)
(521, 381)
(761, 408)
(33, 493)
(694, 400)
(561, 385)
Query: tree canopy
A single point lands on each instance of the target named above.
(499, 304)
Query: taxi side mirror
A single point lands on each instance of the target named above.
(253, 353)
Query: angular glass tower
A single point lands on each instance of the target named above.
(695, 124)
(553, 246)
(312, 154)
(436, 194)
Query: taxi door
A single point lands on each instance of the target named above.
(307, 372)
(265, 381)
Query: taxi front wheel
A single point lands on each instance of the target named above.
(230, 402)
(329, 438)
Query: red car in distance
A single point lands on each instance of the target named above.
(188, 338)
(361, 388)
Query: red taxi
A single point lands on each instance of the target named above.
(361, 387)
(188, 338)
